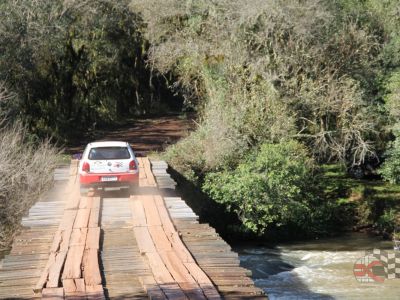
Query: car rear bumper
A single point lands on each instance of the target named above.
(96, 179)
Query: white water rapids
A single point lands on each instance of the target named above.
(321, 269)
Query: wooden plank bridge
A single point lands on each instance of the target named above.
(116, 245)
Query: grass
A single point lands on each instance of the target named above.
(336, 177)
(376, 202)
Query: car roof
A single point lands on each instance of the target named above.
(108, 144)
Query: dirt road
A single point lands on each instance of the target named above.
(144, 135)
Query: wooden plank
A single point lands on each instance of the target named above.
(166, 265)
(164, 215)
(172, 234)
(139, 216)
(150, 208)
(173, 291)
(91, 270)
(160, 240)
(80, 285)
(75, 296)
(78, 237)
(142, 173)
(72, 267)
(210, 292)
(147, 280)
(94, 217)
(144, 240)
(82, 218)
(96, 202)
(192, 291)
(55, 270)
(56, 241)
(149, 174)
(176, 268)
(86, 202)
(143, 182)
(93, 238)
(68, 219)
(45, 274)
(159, 270)
(154, 292)
(95, 292)
(233, 281)
(146, 178)
(73, 198)
(149, 171)
(69, 285)
(198, 274)
(53, 293)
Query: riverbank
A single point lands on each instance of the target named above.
(372, 205)
(361, 205)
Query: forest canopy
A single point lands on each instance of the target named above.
(317, 77)
(322, 73)
(74, 65)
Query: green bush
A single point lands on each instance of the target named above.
(390, 169)
(273, 186)
(387, 221)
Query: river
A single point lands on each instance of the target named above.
(319, 269)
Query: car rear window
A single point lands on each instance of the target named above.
(109, 153)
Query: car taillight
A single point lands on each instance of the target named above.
(86, 167)
(132, 165)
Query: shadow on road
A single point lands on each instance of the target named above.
(144, 135)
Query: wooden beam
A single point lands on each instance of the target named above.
(69, 285)
(138, 213)
(149, 174)
(82, 218)
(94, 217)
(159, 238)
(80, 285)
(78, 237)
(150, 208)
(91, 270)
(45, 274)
(86, 202)
(55, 270)
(72, 267)
(159, 270)
(68, 219)
(53, 293)
(93, 238)
(144, 240)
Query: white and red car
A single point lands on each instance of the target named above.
(105, 164)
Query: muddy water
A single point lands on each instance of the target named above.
(321, 269)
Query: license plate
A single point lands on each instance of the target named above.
(109, 178)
